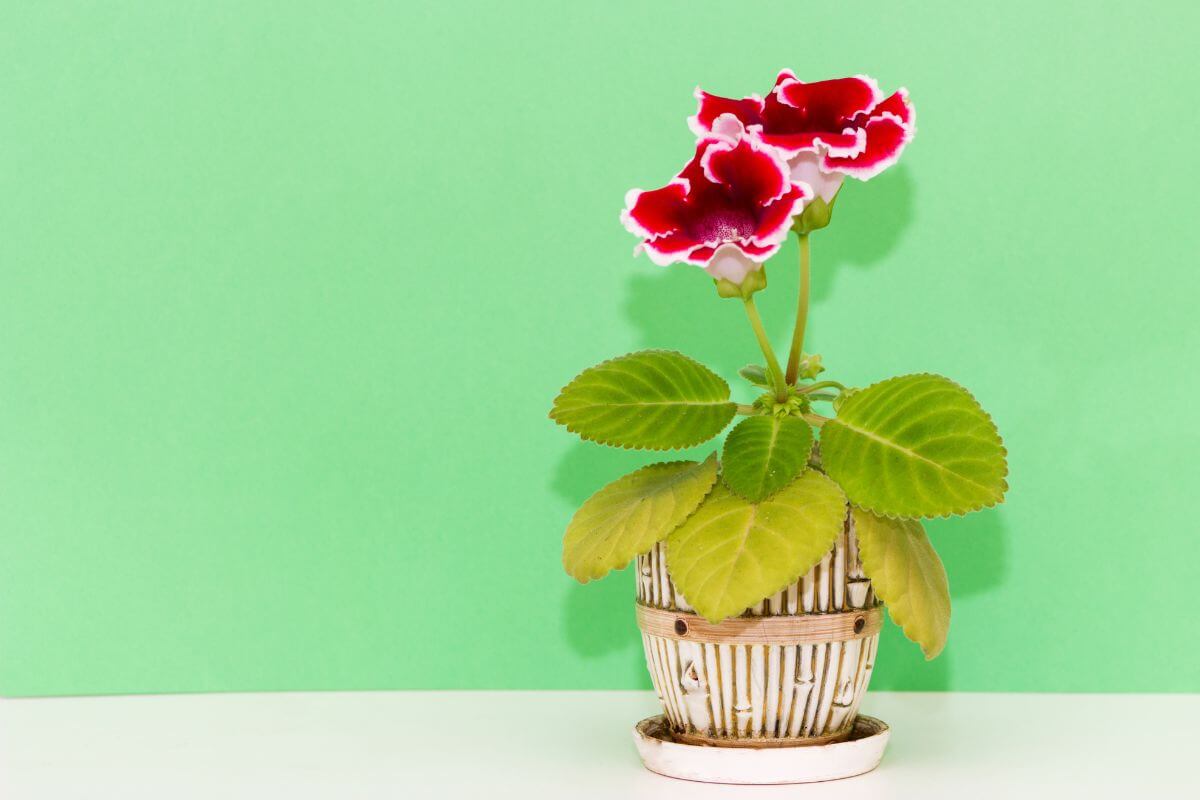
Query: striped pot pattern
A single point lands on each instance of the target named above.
(764, 694)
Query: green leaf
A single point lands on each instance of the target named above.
(653, 399)
(632, 514)
(907, 575)
(756, 375)
(731, 553)
(915, 446)
(764, 454)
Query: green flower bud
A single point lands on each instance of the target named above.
(753, 282)
(816, 215)
(810, 367)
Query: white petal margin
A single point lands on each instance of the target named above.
(728, 131)
(868, 172)
(789, 72)
(860, 143)
(912, 110)
(876, 92)
(776, 237)
(631, 198)
(728, 127)
(664, 259)
(693, 122)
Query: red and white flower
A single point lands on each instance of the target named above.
(728, 210)
(826, 130)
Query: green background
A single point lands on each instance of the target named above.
(287, 290)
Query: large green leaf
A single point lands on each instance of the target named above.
(907, 575)
(764, 454)
(633, 513)
(731, 553)
(915, 446)
(654, 399)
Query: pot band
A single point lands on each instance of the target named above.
(836, 626)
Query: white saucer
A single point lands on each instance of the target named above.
(803, 764)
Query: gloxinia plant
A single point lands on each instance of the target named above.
(789, 477)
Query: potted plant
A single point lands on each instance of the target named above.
(761, 573)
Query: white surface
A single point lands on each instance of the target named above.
(760, 766)
(417, 744)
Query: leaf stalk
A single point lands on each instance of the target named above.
(812, 387)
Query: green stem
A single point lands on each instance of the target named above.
(793, 366)
(772, 363)
(746, 410)
(815, 419)
(812, 387)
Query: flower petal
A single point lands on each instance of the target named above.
(731, 263)
(806, 168)
(669, 249)
(728, 127)
(748, 110)
(849, 142)
(819, 106)
(657, 212)
(750, 170)
(784, 75)
(775, 220)
(886, 137)
(898, 105)
(757, 252)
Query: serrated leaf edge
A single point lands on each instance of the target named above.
(812, 442)
(716, 478)
(957, 511)
(746, 611)
(901, 623)
(732, 406)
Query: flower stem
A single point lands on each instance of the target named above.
(793, 366)
(772, 362)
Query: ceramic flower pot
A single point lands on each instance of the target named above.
(790, 671)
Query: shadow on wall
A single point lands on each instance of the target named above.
(597, 617)
(677, 308)
(974, 550)
(869, 221)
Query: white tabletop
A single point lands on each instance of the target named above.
(572, 744)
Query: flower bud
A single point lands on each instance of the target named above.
(810, 367)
